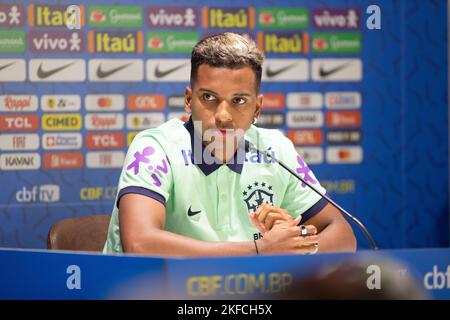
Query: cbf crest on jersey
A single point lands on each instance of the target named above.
(256, 194)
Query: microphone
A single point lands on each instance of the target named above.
(250, 146)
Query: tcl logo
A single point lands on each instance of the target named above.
(19, 123)
(105, 140)
(146, 102)
(343, 119)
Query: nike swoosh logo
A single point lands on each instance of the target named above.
(103, 74)
(7, 65)
(272, 73)
(42, 74)
(161, 74)
(325, 73)
(193, 213)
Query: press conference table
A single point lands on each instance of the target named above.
(42, 274)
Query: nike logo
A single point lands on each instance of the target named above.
(42, 74)
(193, 213)
(161, 74)
(272, 73)
(7, 65)
(325, 73)
(103, 74)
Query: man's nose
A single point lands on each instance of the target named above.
(223, 114)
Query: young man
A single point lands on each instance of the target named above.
(195, 188)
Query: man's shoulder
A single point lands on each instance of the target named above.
(267, 137)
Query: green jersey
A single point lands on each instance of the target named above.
(211, 202)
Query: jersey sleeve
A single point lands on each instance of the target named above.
(146, 170)
(299, 199)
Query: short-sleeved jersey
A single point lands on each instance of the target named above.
(211, 202)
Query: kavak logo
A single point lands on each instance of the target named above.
(283, 42)
(56, 41)
(18, 142)
(171, 42)
(116, 70)
(104, 102)
(305, 119)
(18, 103)
(172, 17)
(116, 42)
(115, 16)
(57, 70)
(20, 161)
(285, 70)
(60, 103)
(336, 18)
(12, 70)
(283, 18)
(168, 70)
(225, 17)
(52, 15)
(12, 41)
(336, 69)
(11, 15)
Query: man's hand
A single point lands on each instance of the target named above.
(286, 237)
(266, 216)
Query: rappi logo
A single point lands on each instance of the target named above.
(18, 103)
(42, 193)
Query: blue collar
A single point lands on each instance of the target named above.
(236, 165)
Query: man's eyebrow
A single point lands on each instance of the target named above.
(240, 94)
(207, 90)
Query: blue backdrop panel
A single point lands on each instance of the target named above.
(398, 184)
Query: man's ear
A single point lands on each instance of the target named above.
(259, 102)
(187, 100)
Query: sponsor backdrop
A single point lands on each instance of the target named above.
(366, 108)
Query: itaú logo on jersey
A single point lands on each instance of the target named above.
(42, 193)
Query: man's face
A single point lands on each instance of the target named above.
(226, 102)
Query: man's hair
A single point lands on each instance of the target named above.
(227, 50)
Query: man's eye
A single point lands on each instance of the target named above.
(208, 97)
(239, 101)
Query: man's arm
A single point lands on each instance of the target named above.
(142, 221)
(335, 233)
